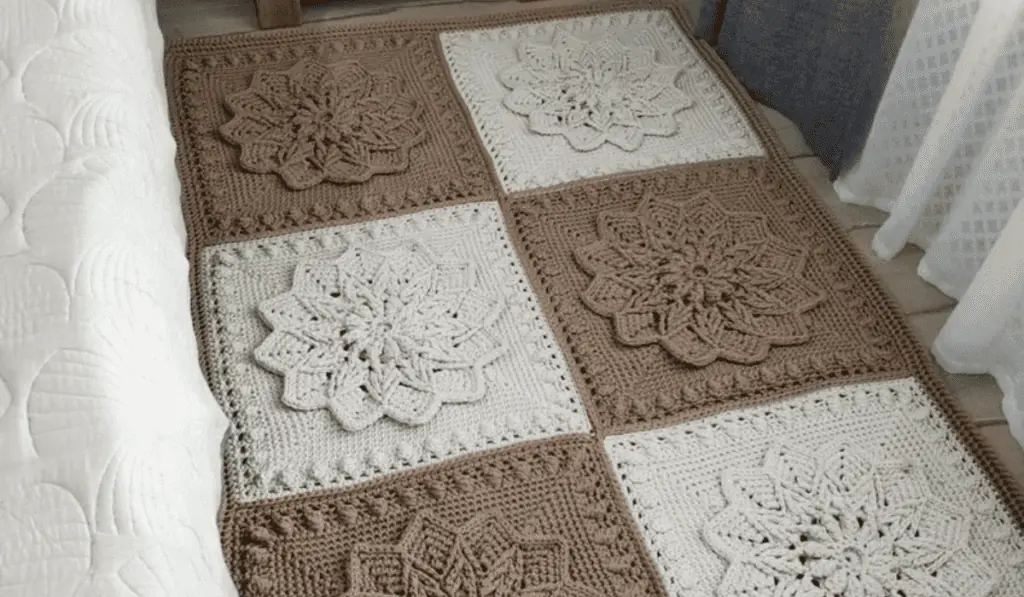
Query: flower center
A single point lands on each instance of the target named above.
(317, 120)
(380, 329)
(594, 89)
(853, 556)
(691, 281)
(374, 334)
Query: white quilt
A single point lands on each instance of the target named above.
(109, 437)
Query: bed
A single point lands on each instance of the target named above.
(109, 438)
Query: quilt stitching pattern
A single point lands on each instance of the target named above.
(109, 436)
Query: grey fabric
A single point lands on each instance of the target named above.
(706, 19)
(821, 63)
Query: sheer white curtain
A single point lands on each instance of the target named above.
(946, 157)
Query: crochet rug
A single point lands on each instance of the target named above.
(536, 305)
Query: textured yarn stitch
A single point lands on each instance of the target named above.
(839, 522)
(701, 280)
(485, 63)
(417, 148)
(482, 556)
(554, 500)
(373, 334)
(856, 490)
(317, 122)
(594, 92)
(275, 450)
(302, 491)
(795, 315)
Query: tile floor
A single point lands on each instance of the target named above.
(924, 305)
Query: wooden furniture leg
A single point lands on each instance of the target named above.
(279, 13)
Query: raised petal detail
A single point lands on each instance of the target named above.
(607, 295)
(404, 402)
(431, 542)
(302, 172)
(376, 569)
(753, 486)
(545, 564)
(626, 137)
(818, 524)
(462, 385)
(582, 137)
(286, 310)
(392, 334)
(486, 556)
(658, 124)
(845, 473)
(349, 400)
(264, 118)
(639, 327)
(523, 100)
(735, 533)
(594, 92)
(315, 122)
(704, 282)
(305, 390)
(317, 276)
(261, 156)
(269, 85)
(537, 56)
(623, 230)
(600, 257)
(487, 535)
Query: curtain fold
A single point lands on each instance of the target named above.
(822, 64)
(945, 155)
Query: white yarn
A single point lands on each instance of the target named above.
(381, 334)
(594, 92)
(712, 128)
(760, 495)
(274, 450)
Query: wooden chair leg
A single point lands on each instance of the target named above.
(278, 13)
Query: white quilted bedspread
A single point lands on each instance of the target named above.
(109, 438)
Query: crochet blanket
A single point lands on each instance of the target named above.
(536, 305)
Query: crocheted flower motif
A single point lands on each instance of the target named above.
(375, 334)
(841, 524)
(317, 122)
(594, 92)
(703, 282)
(484, 557)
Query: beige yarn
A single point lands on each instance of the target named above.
(682, 307)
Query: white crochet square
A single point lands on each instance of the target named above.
(501, 381)
(495, 71)
(858, 487)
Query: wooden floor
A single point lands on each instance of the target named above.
(926, 307)
(195, 18)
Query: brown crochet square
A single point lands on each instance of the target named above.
(439, 160)
(544, 517)
(792, 307)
